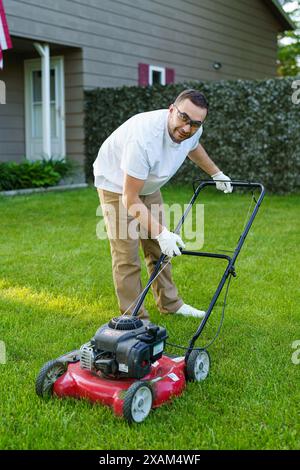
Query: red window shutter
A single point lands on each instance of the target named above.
(170, 76)
(143, 74)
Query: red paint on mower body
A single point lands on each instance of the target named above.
(167, 379)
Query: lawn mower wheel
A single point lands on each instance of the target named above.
(137, 402)
(197, 367)
(48, 375)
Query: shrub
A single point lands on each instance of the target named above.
(252, 131)
(31, 174)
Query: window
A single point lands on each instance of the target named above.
(157, 75)
(34, 111)
(37, 119)
(154, 75)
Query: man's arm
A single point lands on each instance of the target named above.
(201, 158)
(136, 208)
(168, 241)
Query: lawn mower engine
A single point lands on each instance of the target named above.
(126, 346)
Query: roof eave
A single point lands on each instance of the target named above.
(282, 16)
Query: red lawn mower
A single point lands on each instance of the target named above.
(125, 365)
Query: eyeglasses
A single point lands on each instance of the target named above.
(186, 119)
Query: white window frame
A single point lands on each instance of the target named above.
(35, 64)
(155, 68)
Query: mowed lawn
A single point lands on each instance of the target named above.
(56, 290)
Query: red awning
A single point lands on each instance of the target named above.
(5, 40)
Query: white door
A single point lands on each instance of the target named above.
(33, 109)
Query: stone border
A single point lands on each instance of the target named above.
(65, 187)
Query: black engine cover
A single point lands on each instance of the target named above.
(133, 350)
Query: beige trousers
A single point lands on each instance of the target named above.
(125, 235)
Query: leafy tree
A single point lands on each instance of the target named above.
(289, 43)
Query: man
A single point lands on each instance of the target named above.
(132, 164)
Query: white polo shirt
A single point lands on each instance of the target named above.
(142, 148)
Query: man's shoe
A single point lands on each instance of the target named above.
(189, 311)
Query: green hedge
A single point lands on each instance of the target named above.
(252, 131)
(29, 174)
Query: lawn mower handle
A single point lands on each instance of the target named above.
(230, 269)
(204, 183)
(231, 260)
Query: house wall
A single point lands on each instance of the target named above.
(12, 114)
(189, 36)
(74, 102)
(103, 41)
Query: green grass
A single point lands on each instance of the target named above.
(56, 289)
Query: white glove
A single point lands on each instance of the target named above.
(222, 182)
(168, 243)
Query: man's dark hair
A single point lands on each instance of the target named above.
(195, 96)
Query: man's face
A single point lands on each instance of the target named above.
(179, 125)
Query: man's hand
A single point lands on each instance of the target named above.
(168, 243)
(222, 182)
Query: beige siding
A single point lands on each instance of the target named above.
(186, 35)
(74, 97)
(104, 40)
(12, 120)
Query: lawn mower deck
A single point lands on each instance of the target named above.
(123, 366)
(165, 380)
